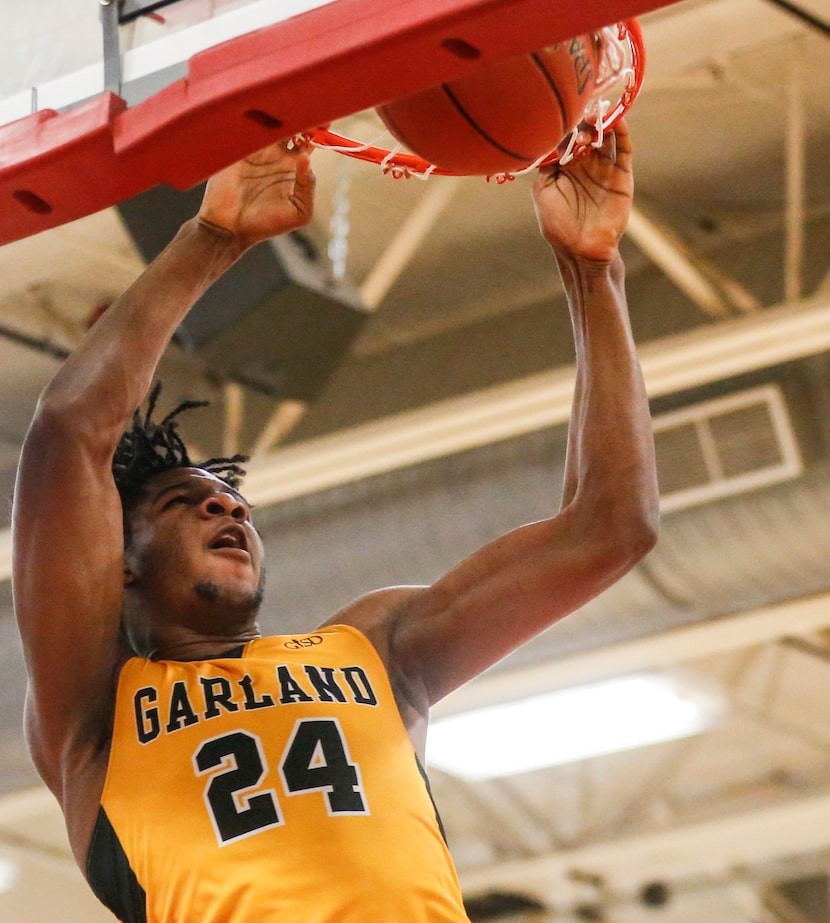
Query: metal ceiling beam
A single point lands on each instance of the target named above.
(405, 243)
(664, 248)
(713, 849)
(795, 171)
(513, 409)
(234, 413)
(673, 364)
(799, 617)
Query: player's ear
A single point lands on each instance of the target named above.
(130, 570)
(130, 563)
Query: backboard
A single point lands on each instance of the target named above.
(197, 92)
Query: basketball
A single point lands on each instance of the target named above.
(503, 116)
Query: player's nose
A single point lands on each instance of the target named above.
(223, 503)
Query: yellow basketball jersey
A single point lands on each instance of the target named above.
(273, 786)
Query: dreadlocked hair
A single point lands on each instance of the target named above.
(148, 448)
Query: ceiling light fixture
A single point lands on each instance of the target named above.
(569, 725)
(9, 873)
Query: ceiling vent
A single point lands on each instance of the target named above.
(725, 446)
(274, 322)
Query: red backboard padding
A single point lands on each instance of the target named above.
(55, 167)
(270, 84)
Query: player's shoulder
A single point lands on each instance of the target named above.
(375, 614)
(374, 609)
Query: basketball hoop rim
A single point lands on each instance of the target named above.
(403, 164)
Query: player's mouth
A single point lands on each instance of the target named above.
(230, 538)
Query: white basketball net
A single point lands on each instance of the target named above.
(614, 91)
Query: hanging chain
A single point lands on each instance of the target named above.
(339, 227)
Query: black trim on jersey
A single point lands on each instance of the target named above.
(235, 653)
(425, 777)
(110, 876)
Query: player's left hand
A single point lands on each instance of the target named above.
(583, 207)
(267, 193)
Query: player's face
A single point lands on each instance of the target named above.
(191, 530)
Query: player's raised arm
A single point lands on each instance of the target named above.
(513, 588)
(67, 518)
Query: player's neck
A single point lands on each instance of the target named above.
(201, 648)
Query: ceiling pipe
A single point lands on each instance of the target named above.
(822, 27)
(795, 150)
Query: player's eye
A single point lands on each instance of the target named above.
(179, 498)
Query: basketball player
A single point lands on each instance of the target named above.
(210, 775)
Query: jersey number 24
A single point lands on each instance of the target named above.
(315, 759)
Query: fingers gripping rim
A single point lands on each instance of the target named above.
(621, 77)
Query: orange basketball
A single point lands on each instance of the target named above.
(501, 117)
